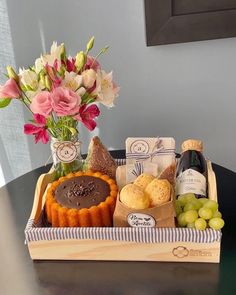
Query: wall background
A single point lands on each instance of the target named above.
(180, 90)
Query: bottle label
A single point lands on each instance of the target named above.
(191, 181)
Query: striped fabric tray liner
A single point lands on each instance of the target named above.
(128, 234)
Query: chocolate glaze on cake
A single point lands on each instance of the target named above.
(82, 192)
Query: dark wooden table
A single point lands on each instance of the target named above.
(20, 275)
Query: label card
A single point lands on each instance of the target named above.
(140, 220)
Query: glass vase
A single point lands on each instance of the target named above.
(66, 156)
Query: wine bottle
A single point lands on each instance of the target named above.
(191, 172)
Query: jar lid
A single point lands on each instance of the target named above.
(192, 144)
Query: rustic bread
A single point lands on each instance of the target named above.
(99, 158)
(133, 197)
(158, 191)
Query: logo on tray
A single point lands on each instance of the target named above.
(182, 252)
(140, 220)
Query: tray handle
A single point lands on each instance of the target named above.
(212, 188)
(41, 186)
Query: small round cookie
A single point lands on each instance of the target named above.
(133, 197)
(143, 180)
(158, 191)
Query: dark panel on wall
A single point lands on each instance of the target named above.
(174, 21)
(196, 6)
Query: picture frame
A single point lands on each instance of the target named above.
(177, 21)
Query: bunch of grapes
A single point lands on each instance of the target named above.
(198, 213)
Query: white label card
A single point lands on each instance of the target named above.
(140, 220)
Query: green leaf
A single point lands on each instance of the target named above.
(87, 98)
(90, 100)
(73, 130)
(12, 73)
(32, 68)
(4, 102)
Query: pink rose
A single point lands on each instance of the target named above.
(10, 89)
(41, 104)
(65, 102)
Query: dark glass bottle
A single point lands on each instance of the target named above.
(191, 175)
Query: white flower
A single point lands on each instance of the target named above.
(106, 90)
(72, 81)
(56, 52)
(29, 78)
(38, 65)
(89, 77)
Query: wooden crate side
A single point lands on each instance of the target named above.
(124, 251)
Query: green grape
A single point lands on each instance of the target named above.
(191, 225)
(181, 220)
(192, 205)
(178, 207)
(205, 213)
(203, 200)
(217, 214)
(197, 204)
(190, 216)
(200, 224)
(213, 205)
(189, 206)
(216, 223)
(189, 197)
(184, 199)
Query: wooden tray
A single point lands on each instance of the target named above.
(123, 244)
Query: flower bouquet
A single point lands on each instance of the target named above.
(60, 91)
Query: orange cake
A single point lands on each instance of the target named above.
(81, 199)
